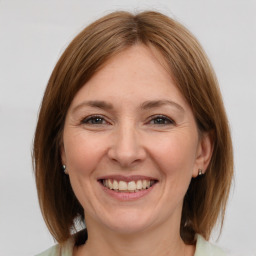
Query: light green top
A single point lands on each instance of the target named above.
(203, 248)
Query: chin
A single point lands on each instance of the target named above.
(128, 228)
(126, 223)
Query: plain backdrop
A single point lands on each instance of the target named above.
(34, 33)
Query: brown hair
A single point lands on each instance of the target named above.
(207, 196)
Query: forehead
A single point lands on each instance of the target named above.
(138, 60)
(138, 73)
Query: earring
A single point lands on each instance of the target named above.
(64, 169)
(200, 172)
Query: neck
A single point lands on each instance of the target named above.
(163, 240)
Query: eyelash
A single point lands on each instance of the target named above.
(166, 120)
(92, 118)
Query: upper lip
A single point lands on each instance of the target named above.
(126, 178)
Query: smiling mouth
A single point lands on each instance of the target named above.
(128, 187)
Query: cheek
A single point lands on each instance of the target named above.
(83, 153)
(175, 154)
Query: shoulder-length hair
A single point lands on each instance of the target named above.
(207, 196)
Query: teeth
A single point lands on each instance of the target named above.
(115, 184)
(139, 184)
(110, 184)
(122, 185)
(144, 184)
(131, 186)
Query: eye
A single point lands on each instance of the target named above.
(161, 120)
(94, 120)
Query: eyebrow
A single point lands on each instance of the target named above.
(159, 103)
(145, 105)
(95, 104)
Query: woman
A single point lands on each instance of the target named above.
(133, 140)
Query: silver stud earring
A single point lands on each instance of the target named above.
(64, 169)
(200, 172)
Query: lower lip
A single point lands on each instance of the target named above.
(127, 196)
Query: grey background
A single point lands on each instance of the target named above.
(33, 34)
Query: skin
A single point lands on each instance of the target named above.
(128, 137)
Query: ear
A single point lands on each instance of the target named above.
(204, 153)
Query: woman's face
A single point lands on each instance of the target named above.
(131, 145)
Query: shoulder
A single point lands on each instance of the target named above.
(204, 248)
(59, 250)
(54, 250)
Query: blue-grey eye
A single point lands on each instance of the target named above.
(161, 120)
(94, 120)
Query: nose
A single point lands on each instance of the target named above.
(127, 147)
